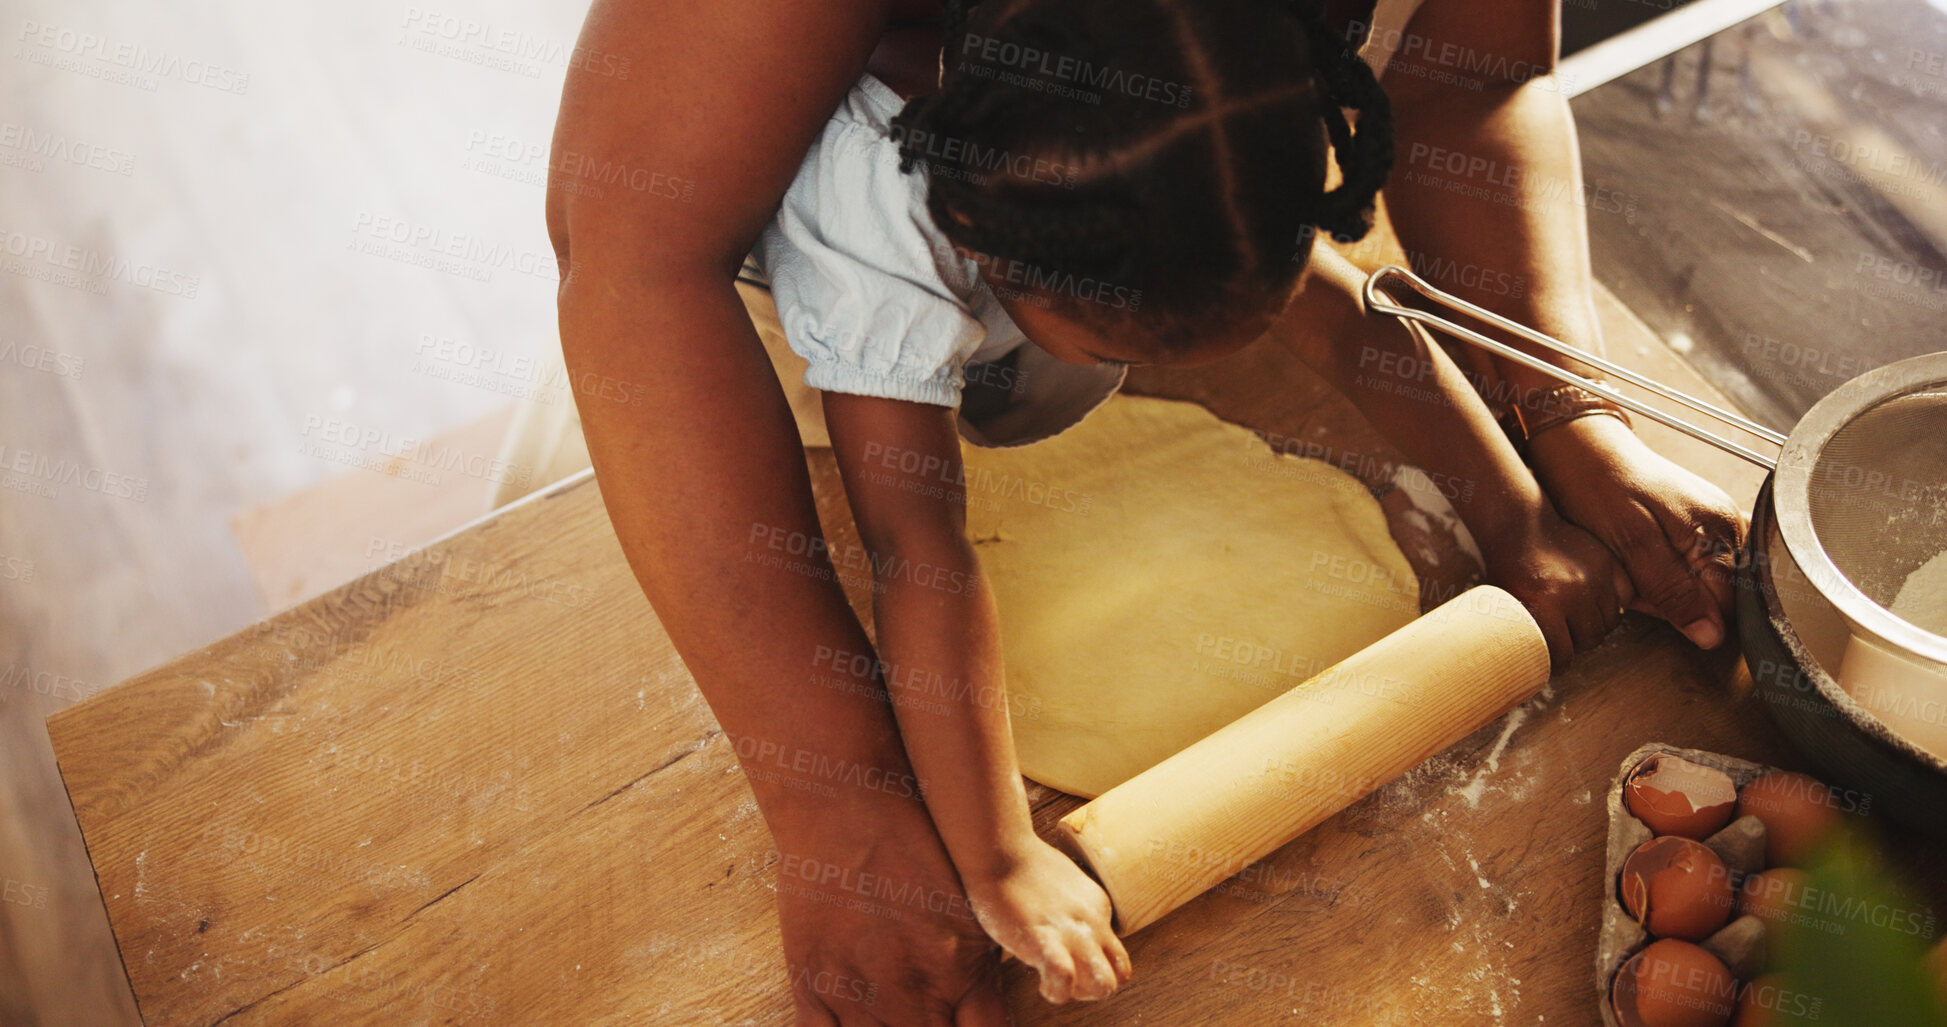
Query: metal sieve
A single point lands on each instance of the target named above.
(1859, 486)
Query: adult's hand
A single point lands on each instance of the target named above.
(1675, 534)
(1564, 576)
(877, 929)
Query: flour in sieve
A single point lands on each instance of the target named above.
(1923, 599)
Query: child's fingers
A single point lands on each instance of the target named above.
(1100, 926)
(1095, 979)
(1057, 970)
(1118, 958)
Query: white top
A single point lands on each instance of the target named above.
(879, 303)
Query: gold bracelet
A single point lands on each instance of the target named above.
(1561, 404)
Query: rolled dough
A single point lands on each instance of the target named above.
(1160, 573)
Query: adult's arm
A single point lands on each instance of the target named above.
(701, 468)
(1487, 196)
(694, 445)
(1486, 191)
(1417, 396)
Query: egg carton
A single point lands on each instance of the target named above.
(1740, 943)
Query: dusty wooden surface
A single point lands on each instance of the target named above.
(478, 786)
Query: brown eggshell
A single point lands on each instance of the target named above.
(1675, 796)
(1770, 1002)
(1798, 813)
(1774, 895)
(1676, 888)
(1673, 984)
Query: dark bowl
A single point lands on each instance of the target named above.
(1851, 747)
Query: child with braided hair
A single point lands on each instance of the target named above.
(973, 239)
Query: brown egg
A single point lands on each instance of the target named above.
(1676, 796)
(1676, 888)
(1798, 813)
(1770, 1002)
(1773, 895)
(1673, 984)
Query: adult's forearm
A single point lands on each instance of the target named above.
(1416, 396)
(704, 479)
(1487, 199)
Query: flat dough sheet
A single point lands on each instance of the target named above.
(1160, 573)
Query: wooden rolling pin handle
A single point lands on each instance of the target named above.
(1171, 832)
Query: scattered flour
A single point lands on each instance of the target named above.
(1923, 599)
(1477, 787)
(1426, 495)
(1480, 988)
(1477, 918)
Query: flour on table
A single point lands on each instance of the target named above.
(1430, 508)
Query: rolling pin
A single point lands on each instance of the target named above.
(1168, 834)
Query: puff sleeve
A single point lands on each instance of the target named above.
(859, 292)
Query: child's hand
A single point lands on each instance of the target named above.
(1044, 911)
(1675, 534)
(1566, 578)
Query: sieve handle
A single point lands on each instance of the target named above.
(1377, 301)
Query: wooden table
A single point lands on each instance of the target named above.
(478, 785)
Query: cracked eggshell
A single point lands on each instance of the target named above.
(1675, 796)
(1677, 888)
(1621, 936)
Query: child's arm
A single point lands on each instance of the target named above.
(1423, 404)
(939, 647)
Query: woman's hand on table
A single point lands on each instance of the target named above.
(878, 930)
(1675, 534)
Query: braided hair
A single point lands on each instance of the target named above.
(1172, 149)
